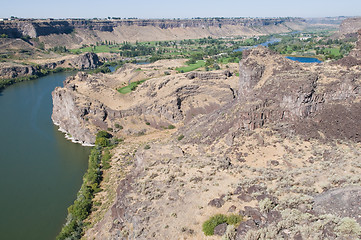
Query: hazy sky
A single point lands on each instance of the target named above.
(178, 9)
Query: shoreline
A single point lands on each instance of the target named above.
(6, 82)
(72, 139)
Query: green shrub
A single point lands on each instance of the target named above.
(180, 137)
(106, 159)
(102, 141)
(118, 126)
(171, 126)
(148, 123)
(234, 219)
(146, 147)
(103, 134)
(82, 206)
(348, 226)
(209, 225)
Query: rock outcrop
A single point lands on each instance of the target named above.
(81, 62)
(73, 33)
(91, 103)
(276, 90)
(13, 70)
(275, 145)
(343, 202)
(86, 61)
(350, 26)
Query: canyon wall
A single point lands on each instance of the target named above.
(73, 33)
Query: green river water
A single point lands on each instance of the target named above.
(41, 171)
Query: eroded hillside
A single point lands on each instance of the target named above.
(279, 145)
(74, 33)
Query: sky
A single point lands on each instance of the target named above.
(178, 9)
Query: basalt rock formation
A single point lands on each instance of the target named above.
(12, 70)
(350, 26)
(275, 145)
(74, 33)
(275, 90)
(81, 62)
(90, 103)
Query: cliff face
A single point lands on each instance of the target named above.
(350, 25)
(275, 143)
(68, 115)
(74, 33)
(11, 70)
(264, 145)
(91, 103)
(313, 99)
(81, 62)
(36, 28)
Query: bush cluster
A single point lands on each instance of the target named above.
(209, 225)
(81, 208)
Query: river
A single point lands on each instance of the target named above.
(41, 171)
(265, 44)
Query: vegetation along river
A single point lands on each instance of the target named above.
(41, 171)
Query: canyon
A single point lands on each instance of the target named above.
(272, 145)
(74, 33)
(272, 141)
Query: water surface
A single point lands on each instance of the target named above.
(41, 171)
(305, 59)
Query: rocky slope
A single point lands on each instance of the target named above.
(11, 70)
(93, 103)
(350, 26)
(280, 145)
(74, 33)
(273, 89)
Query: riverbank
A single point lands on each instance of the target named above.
(11, 72)
(82, 207)
(45, 72)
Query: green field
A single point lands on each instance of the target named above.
(97, 49)
(131, 87)
(192, 67)
(334, 51)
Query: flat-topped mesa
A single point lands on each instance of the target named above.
(35, 28)
(77, 32)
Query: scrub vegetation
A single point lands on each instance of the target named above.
(82, 207)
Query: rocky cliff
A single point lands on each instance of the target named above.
(277, 153)
(13, 70)
(275, 90)
(82, 62)
(350, 26)
(273, 145)
(90, 103)
(74, 33)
